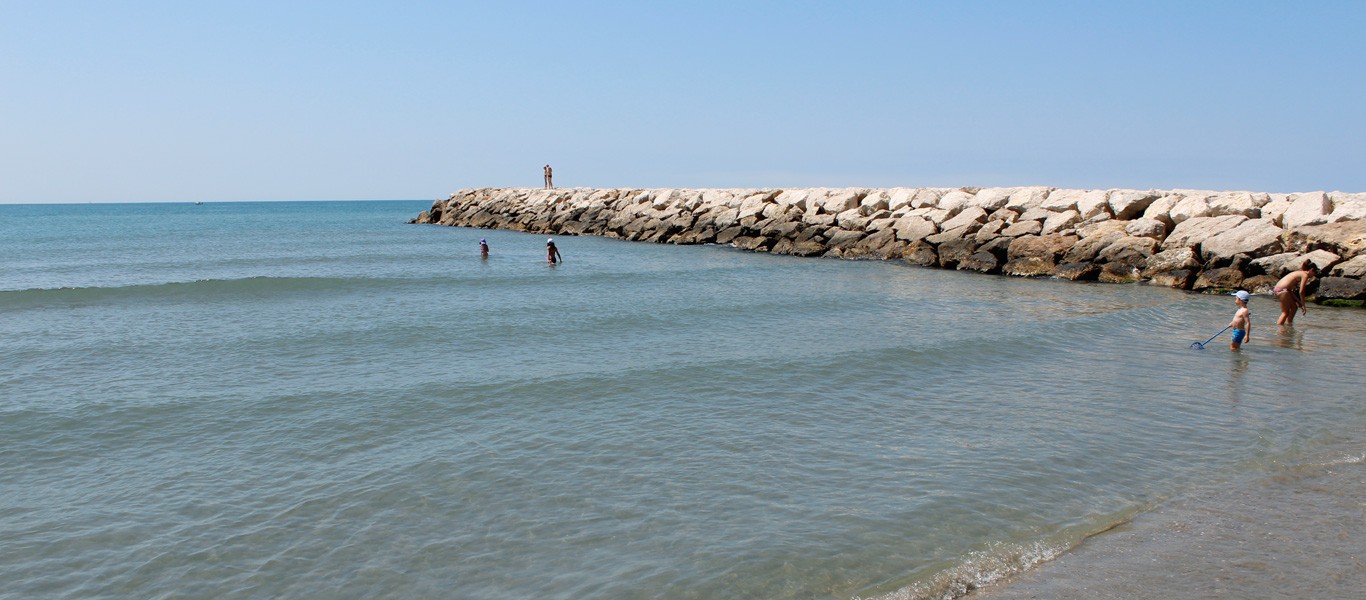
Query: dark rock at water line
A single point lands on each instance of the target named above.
(1226, 278)
(1341, 288)
(1078, 271)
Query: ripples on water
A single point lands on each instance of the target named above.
(314, 399)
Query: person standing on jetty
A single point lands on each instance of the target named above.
(549, 177)
(1290, 290)
(552, 254)
(483, 249)
(1242, 321)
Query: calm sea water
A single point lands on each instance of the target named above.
(254, 400)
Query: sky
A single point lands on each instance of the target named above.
(138, 101)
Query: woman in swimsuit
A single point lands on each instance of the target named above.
(1290, 290)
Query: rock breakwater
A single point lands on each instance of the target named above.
(1187, 239)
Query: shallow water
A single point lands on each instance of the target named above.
(316, 399)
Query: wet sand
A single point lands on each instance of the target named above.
(1298, 532)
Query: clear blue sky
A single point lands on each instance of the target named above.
(187, 101)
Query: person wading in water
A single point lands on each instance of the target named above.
(1290, 291)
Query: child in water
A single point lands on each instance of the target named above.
(483, 249)
(1242, 321)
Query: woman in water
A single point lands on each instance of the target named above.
(552, 254)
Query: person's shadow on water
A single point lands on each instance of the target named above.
(1288, 337)
(1237, 368)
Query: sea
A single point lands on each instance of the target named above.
(320, 400)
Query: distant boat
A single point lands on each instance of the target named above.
(198, 203)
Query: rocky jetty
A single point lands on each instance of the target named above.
(1187, 239)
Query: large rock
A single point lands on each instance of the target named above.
(954, 202)
(1048, 247)
(1277, 265)
(972, 215)
(1346, 239)
(1129, 251)
(1094, 204)
(991, 199)
(1030, 266)
(956, 233)
(954, 251)
(920, 253)
(1254, 237)
(1096, 238)
(1310, 208)
(1176, 259)
(1192, 205)
(1020, 228)
(1341, 288)
(899, 198)
(1118, 272)
(982, 262)
(1025, 198)
(1194, 231)
(1354, 268)
(910, 229)
(1078, 272)
(1127, 204)
(1180, 279)
(1061, 221)
(1227, 278)
(1234, 203)
(1146, 227)
(1347, 207)
(1276, 208)
(1160, 210)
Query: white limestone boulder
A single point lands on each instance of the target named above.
(1062, 200)
(1194, 231)
(1145, 227)
(1277, 265)
(1192, 205)
(1234, 203)
(875, 200)
(1128, 204)
(954, 202)
(1171, 260)
(928, 197)
(991, 199)
(1310, 208)
(1060, 222)
(910, 229)
(899, 198)
(1275, 208)
(1020, 228)
(1036, 214)
(969, 215)
(1347, 207)
(1354, 268)
(1253, 237)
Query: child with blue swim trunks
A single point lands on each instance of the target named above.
(1242, 321)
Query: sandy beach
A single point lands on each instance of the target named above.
(1296, 533)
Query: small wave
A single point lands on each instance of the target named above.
(1343, 460)
(978, 570)
(214, 288)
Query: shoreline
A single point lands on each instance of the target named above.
(1196, 240)
(1287, 532)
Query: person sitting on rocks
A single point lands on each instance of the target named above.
(1290, 291)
